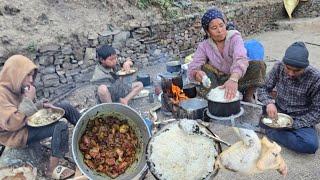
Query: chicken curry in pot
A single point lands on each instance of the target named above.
(109, 145)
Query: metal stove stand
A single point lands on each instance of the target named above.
(248, 117)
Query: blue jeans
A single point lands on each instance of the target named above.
(303, 140)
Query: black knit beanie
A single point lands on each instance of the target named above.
(105, 51)
(297, 55)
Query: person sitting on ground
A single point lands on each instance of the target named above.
(17, 96)
(298, 95)
(114, 89)
(255, 52)
(221, 60)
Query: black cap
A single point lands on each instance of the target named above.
(105, 51)
(297, 55)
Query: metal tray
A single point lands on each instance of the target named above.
(275, 125)
(45, 117)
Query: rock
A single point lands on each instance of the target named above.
(46, 60)
(67, 49)
(48, 70)
(120, 39)
(90, 54)
(78, 53)
(73, 61)
(51, 82)
(110, 32)
(11, 10)
(141, 33)
(63, 80)
(92, 36)
(157, 52)
(81, 78)
(49, 48)
(61, 90)
(6, 39)
(49, 77)
(134, 24)
(32, 154)
(67, 65)
(93, 43)
(72, 72)
(105, 39)
(58, 61)
(58, 68)
(80, 62)
(43, 19)
(61, 73)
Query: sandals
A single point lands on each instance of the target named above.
(59, 170)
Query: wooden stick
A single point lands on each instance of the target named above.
(312, 44)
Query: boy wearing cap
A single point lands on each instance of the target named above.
(114, 88)
(298, 95)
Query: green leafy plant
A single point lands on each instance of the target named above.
(32, 47)
(166, 6)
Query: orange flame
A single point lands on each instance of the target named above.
(178, 94)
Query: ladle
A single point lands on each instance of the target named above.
(191, 127)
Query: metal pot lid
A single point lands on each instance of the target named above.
(168, 75)
(193, 104)
(173, 63)
(143, 75)
(217, 95)
(189, 86)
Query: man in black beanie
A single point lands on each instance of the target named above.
(298, 95)
(113, 89)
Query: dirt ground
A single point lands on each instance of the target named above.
(28, 24)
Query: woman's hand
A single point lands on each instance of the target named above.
(272, 111)
(199, 75)
(127, 65)
(30, 92)
(231, 88)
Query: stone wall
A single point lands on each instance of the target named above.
(67, 66)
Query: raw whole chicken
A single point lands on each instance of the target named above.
(251, 155)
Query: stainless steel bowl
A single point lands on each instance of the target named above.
(138, 168)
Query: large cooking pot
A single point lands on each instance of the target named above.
(171, 148)
(144, 78)
(192, 108)
(220, 107)
(190, 90)
(139, 167)
(173, 66)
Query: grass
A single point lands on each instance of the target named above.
(32, 47)
(166, 7)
